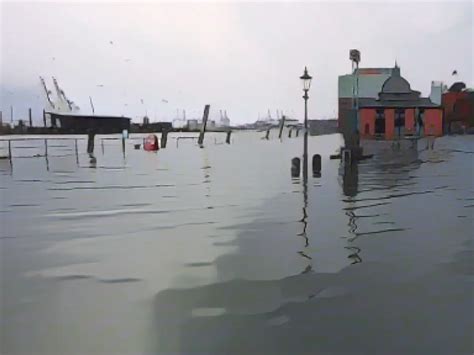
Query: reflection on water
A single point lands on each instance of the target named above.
(219, 251)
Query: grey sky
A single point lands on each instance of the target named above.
(243, 57)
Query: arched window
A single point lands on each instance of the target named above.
(380, 121)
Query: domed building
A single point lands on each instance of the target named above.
(399, 111)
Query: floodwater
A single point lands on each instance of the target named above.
(219, 251)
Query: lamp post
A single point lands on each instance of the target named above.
(306, 81)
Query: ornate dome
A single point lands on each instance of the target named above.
(395, 84)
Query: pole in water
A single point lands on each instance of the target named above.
(77, 151)
(227, 139)
(10, 150)
(282, 124)
(44, 118)
(45, 147)
(316, 165)
(30, 117)
(204, 124)
(90, 142)
(267, 136)
(164, 138)
(289, 132)
(297, 132)
(295, 167)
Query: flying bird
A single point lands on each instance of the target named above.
(111, 42)
(164, 100)
(455, 72)
(100, 85)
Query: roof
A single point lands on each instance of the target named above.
(423, 102)
(396, 92)
(395, 84)
(457, 87)
(373, 71)
(79, 116)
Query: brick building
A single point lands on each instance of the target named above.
(399, 111)
(458, 105)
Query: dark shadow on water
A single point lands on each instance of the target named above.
(370, 306)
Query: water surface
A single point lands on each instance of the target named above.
(219, 251)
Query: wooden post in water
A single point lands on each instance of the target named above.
(267, 135)
(30, 117)
(289, 132)
(282, 124)
(77, 151)
(45, 147)
(297, 132)
(90, 142)
(10, 150)
(204, 124)
(164, 138)
(227, 139)
(44, 117)
(123, 145)
(316, 165)
(295, 167)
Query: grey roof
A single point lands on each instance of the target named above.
(395, 84)
(423, 102)
(457, 87)
(396, 92)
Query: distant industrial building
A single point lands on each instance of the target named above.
(81, 124)
(399, 111)
(224, 120)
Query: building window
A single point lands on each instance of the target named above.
(380, 121)
(400, 121)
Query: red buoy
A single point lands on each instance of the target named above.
(151, 143)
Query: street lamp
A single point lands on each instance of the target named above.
(306, 81)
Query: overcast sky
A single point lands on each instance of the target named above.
(242, 57)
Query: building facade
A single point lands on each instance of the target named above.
(399, 111)
(458, 105)
(370, 81)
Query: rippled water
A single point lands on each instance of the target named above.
(218, 250)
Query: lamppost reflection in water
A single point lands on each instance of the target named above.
(304, 221)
